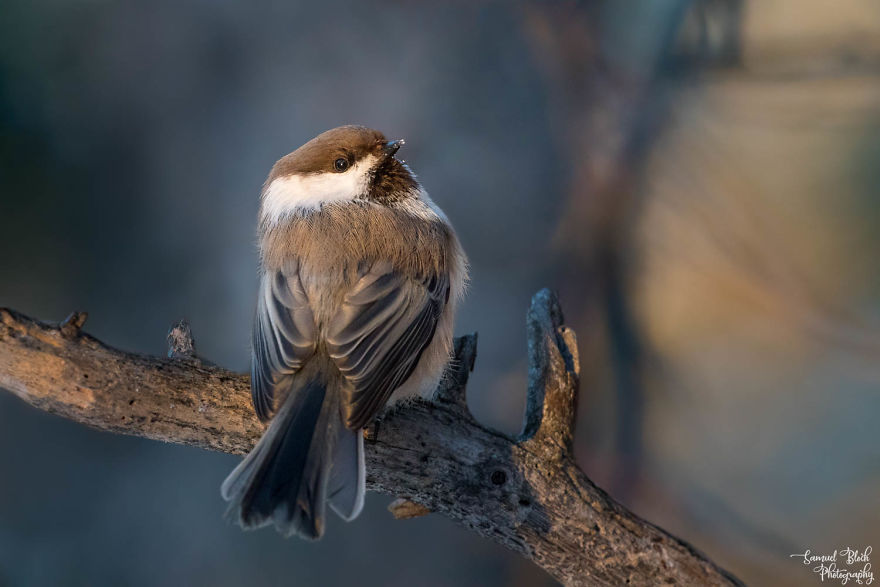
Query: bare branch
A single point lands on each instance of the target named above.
(181, 344)
(525, 493)
(554, 369)
(72, 325)
(452, 390)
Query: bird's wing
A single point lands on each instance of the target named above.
(284, 335)
(378, 335)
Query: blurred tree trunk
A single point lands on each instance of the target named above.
(606, 105)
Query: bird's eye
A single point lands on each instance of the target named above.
(340, 164)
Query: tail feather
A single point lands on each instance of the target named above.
(348, 475)
(287, 478)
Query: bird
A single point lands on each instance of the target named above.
(360, 277)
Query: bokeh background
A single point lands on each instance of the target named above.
(698, 179)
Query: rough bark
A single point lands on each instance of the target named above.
(526, 493)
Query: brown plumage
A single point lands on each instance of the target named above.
(361, 273)
(319, 154)
(338, 237)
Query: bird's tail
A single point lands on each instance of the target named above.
(305, 458)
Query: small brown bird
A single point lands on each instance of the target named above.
(360, 275)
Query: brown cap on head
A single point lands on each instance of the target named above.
(339, 150)
(351, 143)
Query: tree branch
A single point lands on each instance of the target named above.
(525, 493)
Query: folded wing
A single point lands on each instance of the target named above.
(379, 334)
(283, 338)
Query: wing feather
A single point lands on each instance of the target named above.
(379, 334)
(284, 335)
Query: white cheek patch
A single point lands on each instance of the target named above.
(293, 193)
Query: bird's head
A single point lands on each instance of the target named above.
(347, 163)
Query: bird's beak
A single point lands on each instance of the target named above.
(391, 147)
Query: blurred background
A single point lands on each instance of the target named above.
(698, 179)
